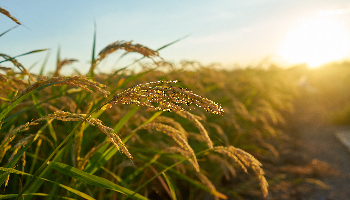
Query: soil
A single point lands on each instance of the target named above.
(314, 164)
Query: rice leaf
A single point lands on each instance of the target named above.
(13, 162)
(30, 52)
(140, 169)
(3, 33)
(44, 63)
(10, 170)
(36, 184)
(120, 180)
(91, 71)
(94, 180)
(182, 176)
(17, 101)
(10, 196)
(170, 185)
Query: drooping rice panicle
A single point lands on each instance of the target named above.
(75, 81)
(200, 127)
(18, 65)
(244, 158)
(226, 167)
(62, 63)
(204, 179)
(176, 135)
(165, 98)
(5, 143)
(83, 161)
(127, 46)
(7, 13)
(221, 132)
(19, 144)
(172, 122)
(67, 116)
(193, 161)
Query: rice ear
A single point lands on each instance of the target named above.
(177, 136)
(127, 46)
(245, 159)
(62, 63)
(166, 98)
(200, 127)
(7, 13)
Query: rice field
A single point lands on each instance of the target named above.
(166, 131)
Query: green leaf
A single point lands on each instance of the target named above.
(140, 169)
(100, 158)
(15, 103)
(93, 180)
(44, 63)
(91, 71)
(14, 171)
(30, 52)
(13, 162)
(182, 176)
(47, 171)
(3, 33)
(170, 185)
(10, 196)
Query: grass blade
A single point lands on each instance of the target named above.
(10, 170)
(94, 180)
(44, 63)
(182, 176)
(91, 71)
(13, 162)
(10, 196)
(3, 33)
(30, 52)
(15, 103)
(170, 185)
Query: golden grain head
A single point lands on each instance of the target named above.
(75, 81)
(7, 13)
(177, 136)
(129, 47)
(62, 63)
(245, 159)
(200, 127)
(165, 98)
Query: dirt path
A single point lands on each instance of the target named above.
(311, 127)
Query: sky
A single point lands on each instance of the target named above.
(229, 32)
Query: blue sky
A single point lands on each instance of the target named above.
(225, 31)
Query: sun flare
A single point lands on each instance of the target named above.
(316, 41)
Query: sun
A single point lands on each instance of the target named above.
(316, 41)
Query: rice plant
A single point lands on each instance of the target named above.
(137, 135)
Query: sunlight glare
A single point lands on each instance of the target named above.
(316, 41)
